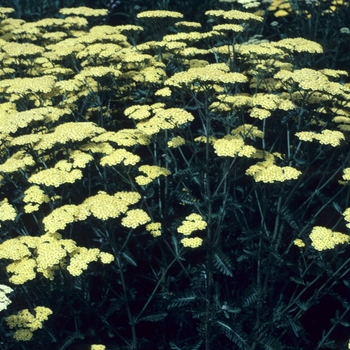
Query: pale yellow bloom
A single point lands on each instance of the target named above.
(192, 242)
(4, 300)
(98, 347)
(154, 228)
(83, 11)
(152, 172)
(323, 238)
(7, 211)
(299, 243)
(176, 142)
(135, 218)
(192, 222)
(120, 156)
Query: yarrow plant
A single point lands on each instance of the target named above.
(197, 179)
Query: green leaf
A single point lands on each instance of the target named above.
(222, 263)
(154, 318)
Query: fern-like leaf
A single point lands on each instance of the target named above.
(154, 318)
(222, 263)
(233, 336)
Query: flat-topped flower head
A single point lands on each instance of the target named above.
(154, 228)
(232, 146)
(192, 222)
(326, 137)
(4, 300)
(120, 156)
(83, 11)
(27, 50)
(152, 172)
(18, 161)
(68, 132)
(234, 15)
(135, 218)
(4, 11)
(192, 242)
(323, 238)
(160, 14)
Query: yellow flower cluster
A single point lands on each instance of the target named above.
(124, 137)
(234, 15)
(267, 172)
(46, 254)
(98, 347)
(27, 322)
(346, 175)
(80, 159)
(22, 49)
(55, 177)
(326, 137)
(165, 92)
(4, 300)
(154, 228)
(7, 211)
(80, 259)
(192, 242)
(232, 146)
(216, 73)
(138, 112)
(152, 172)
(33, 197)
(192, 222)
(159, 14)
(5, 10)
(102, 206)
(135, 218)
(19, 161)
(299, 243)
(68, 132)
(236, 28)
(346, 215)
(323, 238)
(176, 142)
(83, 11)
(120, 156)
(164, 119)
(248, 130)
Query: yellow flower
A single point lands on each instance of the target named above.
(23, 335)
(192, 242)
(98, 347)
(105, 258)
(14, 49)
(55, 177)
(326, 137)
(80, 259)
(232, 146)
(35, 194)
(159, 14)
(154, 228)
(27, 322)
(7, 211)
(299, 243)
(23, 270)
(152, 172)
(323, 238)
(165, 92)
(176, 142)
(83, 11)
(4, 300)
(269, 173)
(19, 161)
(120, 156)
(135, 218)
(192, 222)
